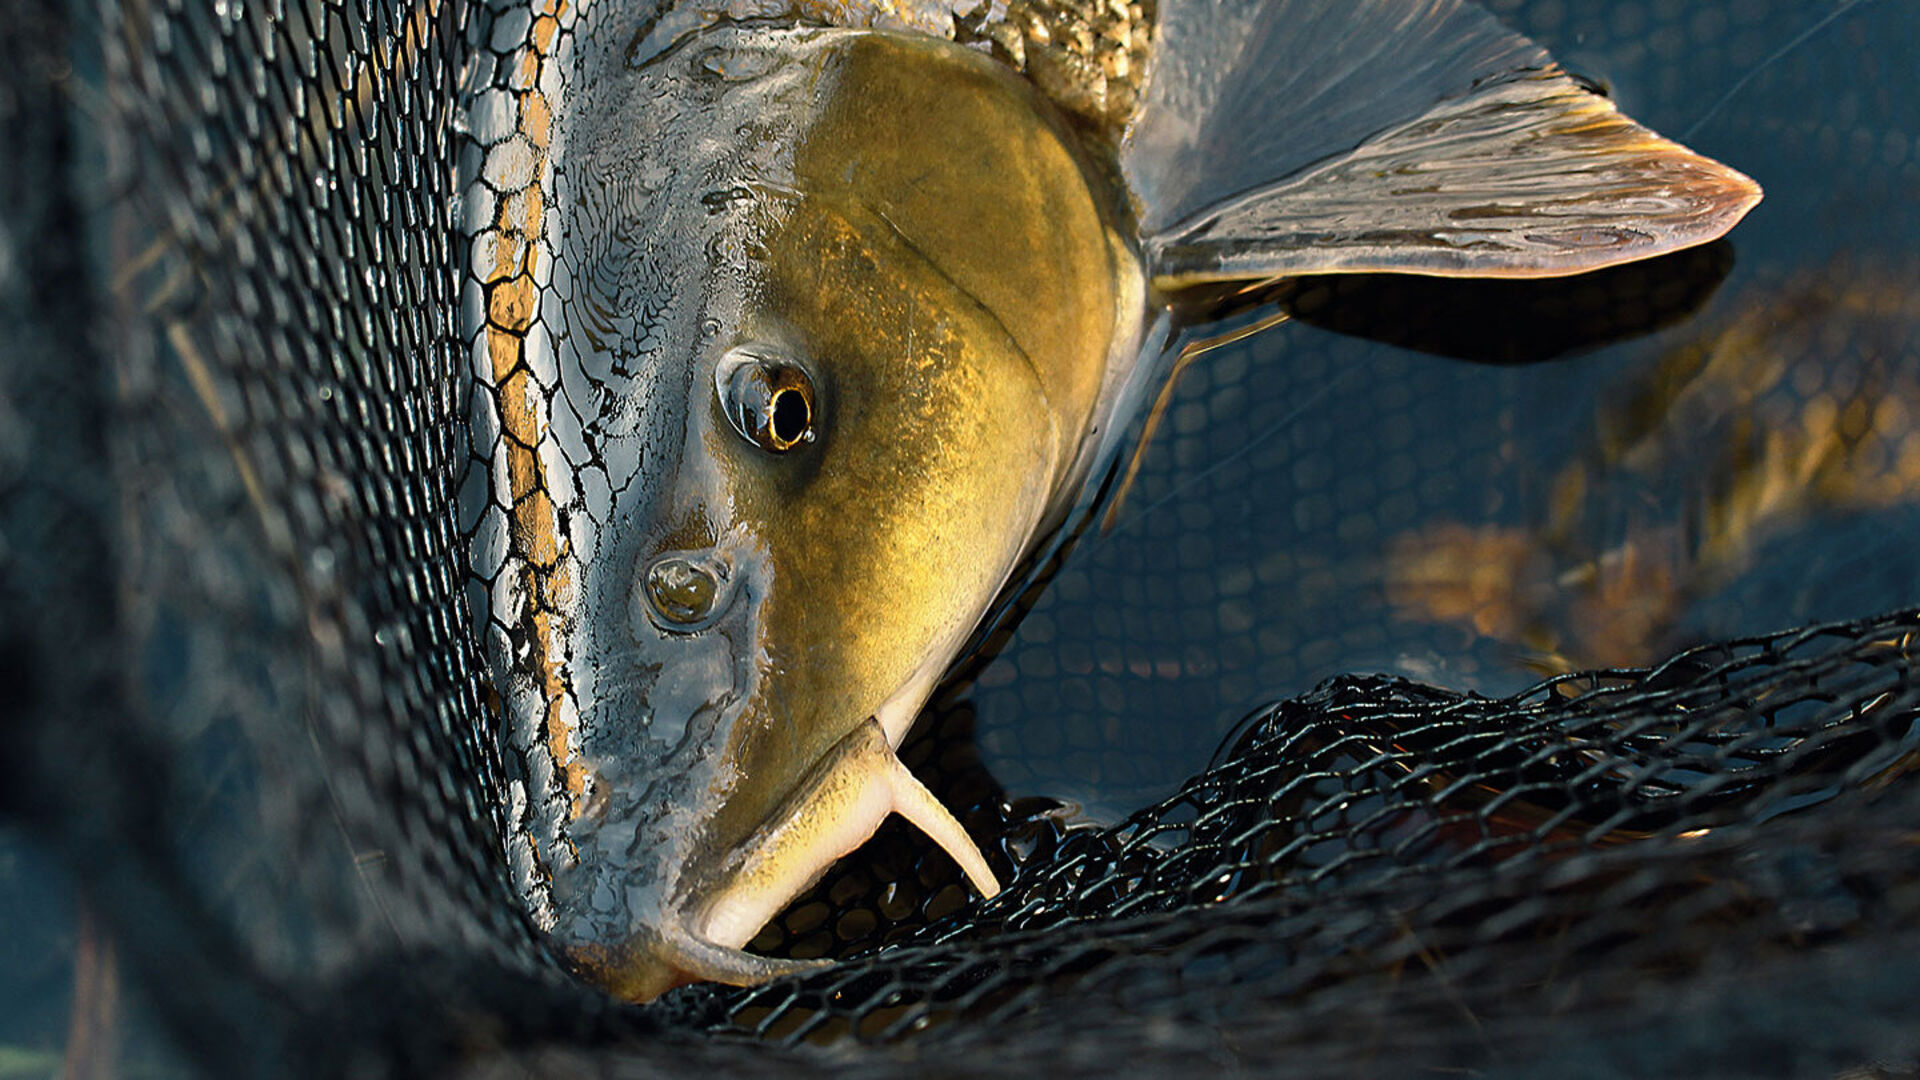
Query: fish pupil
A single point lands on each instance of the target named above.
(791, 417)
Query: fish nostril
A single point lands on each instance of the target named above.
(681, 592)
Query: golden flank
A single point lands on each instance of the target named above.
(799, 334)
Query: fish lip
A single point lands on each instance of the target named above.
(710, 908)
(657, 958)
(703, 887)
(670, 941)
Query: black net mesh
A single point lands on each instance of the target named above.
(250, 718)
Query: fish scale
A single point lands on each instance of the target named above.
(272, 618)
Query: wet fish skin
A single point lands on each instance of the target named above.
(960, 395)
(707, 640)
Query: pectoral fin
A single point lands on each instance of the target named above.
(1530, 176)
(1284, 137)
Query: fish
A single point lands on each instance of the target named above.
(801, 330)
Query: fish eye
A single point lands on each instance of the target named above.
(768, 399)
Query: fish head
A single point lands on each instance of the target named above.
(842, 309)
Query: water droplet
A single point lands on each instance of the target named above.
(735, 65)
(720, 199)
(681, 591)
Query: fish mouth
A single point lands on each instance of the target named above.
(837, 805)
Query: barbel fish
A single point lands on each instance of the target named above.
(799, 327)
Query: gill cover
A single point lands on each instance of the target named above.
(821, 319)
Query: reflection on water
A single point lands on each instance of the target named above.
(1623, 466)
(1802, 414)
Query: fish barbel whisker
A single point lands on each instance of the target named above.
(845, 797)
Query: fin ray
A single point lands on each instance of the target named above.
(1286, 137)
(1527, 177)
(1245, 92)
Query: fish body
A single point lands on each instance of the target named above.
(797, 332)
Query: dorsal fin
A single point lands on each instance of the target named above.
(1286, 137)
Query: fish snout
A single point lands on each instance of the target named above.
(635, 970)
(657, 897)
(636, 913)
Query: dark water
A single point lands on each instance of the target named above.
(1591, 491)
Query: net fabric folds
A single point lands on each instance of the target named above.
(253, 718)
